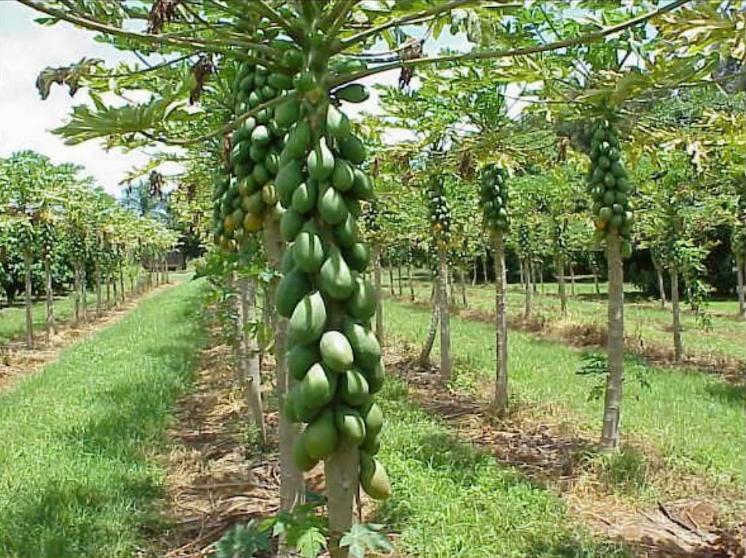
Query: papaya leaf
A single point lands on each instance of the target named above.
(73, 76)
(366, 537)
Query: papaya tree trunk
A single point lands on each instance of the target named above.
(541, 278)
(522, 271)
(84, 292)
(534, 281)
(500, 402)
(115, 288)
(50, 297)
(561, 285)
(474, 269)
(391, 281)
(451, 286)
(410, 280)
(678, 346)
(108, 291)
(661, 284)
(462, 286)
(446, 365)
(399, 278)
(615, 346)
(99, 294)
(76, 292)
(27, 263)
(427, 347)
(292, 488)
(572, 280)
(594, 271)
(121, 283)
(740, 287)
(379, 292)
(484, 265)
(527, 300)
(341, 471)
(249, 356)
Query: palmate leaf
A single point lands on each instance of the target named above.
(365, 537)
(73, 76)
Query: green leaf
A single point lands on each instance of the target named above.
(365, 537)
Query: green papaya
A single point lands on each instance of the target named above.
(335, 278)
(290, 225)
(280, 81)
(304, 197)
(272, 162)
(352, 93)
(373, 417)
(618, 170)
(362, 186)
(290, 404)
(353, 387)
(376, 377)
(318, 386)
(287, 112)
(373, 478)
(350, 425)
(287, 180)
(288, 262)
(331, 206)
(298, 140)
(352, 149)
(364, 344)
(308, 320)
(308, 252)
(362, 302)
(320, 161)
(357, 256)
(335, 351)
(300, 358)
(346, 232)
(260, 136)
(253, 203)
(372, 443)
(337, 123)
(320, 438)
(269, 194)
(260, 174)
(343, 175)
(302, 460)
(290, 291)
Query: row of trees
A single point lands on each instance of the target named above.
(272, 80)
(58, 232)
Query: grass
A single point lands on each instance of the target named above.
(696, 420)
(451, 500)
(643, 318)
(76, 474)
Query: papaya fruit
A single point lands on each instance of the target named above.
(257, 153)
(298, 140)
(272, 162)
(376, 377)
(337, 123)
(308, 252)
(362, 302)
(260, 174)
(335, 278)
(290, 224)
(373, 478)
(279, 81)
(352, 93)
(269, 194)
(350, 425)
(308, 320)
(302, 460)
(373, 417)
(288, 262)
(364, 344)
(335, 350)
(353, 387)
(260, 136)
(331, 206)
(357, 256)
(352, 149)
(304, 197)
(362, 185)
(318, 386)
(290, 403)
(290, 291)
(372, 443)
(287, 112)
(320, 437)
(320, 161)
(253, 203)
(343, 175)
(300, 358)
(346, 232)
(252, 222)
(288, 178)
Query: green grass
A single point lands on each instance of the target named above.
(697, 420)
(451, 500)
(643, 318)
(76, 469)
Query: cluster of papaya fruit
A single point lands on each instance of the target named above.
(494, 196)
(332, 351)
(609, 185)
(440, 214)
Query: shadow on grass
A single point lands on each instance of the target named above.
(733, 394)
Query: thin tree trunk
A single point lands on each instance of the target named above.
(451, 285)
(462, 281)
(446, 368)
(484, 265)
(661, 284)
(115, 288)
(391, 281)
(541, 278)
(341, 472)
(572, 280)
(474, 269)
(292, 487)
(527, 283)
(427, 347)
(50, 297)
(76, 292)
(594, 271)
(678, 346)
(121, 283)
(522, 271)
(108, 291)
(534, 282)
(379, 292)
(561, 285)
(410, 280)
(249, 355)
(501, 329)
(740, 272)
(399, 278)
(84, 289)
(28, 262)
(615, 347)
